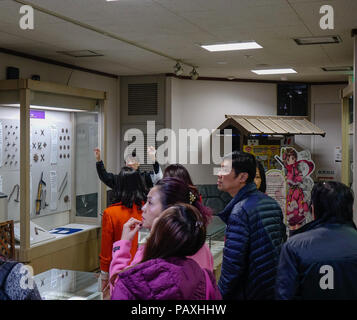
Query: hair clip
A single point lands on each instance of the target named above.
(198, 224)
(192, 197)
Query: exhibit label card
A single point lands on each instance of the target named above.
(53, 188)
(54, 143)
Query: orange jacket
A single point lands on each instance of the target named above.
(114, 217)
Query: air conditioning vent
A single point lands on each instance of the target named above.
(81, 53)
(332, 69)
(142, 99)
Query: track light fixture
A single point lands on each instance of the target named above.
(178, 69)
(194, 74)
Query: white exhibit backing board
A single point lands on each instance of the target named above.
(50, 161)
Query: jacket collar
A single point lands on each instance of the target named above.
(242, 194)
(318, 223)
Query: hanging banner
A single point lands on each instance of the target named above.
(297, 168)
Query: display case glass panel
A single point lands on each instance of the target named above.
(57, 284)
(86, 173)
(62, 167)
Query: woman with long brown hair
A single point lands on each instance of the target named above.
(179, 232)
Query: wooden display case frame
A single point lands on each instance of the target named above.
(78, 251)
(346, 93)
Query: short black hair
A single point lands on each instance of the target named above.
(243, 162)
(332, 200)
(263, 184)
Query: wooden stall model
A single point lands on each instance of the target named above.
(271, 140)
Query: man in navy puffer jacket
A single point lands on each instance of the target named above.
(254, 235)
(319, 261)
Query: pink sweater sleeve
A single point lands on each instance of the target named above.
(204, 258)
(121, 258)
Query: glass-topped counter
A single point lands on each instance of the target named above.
(57, 284)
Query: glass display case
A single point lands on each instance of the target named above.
(47, 167)
(57, 284)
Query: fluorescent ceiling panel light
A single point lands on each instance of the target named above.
(232, 46)
(17, 105)
(58, 109)
(274, 71)
(317, 40)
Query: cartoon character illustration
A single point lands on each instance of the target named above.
(297, 175)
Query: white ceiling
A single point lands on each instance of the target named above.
(177, 27)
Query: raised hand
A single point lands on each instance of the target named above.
(130, 228)
(97, 154)
(151, 153)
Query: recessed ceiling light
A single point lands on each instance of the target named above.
(232, 46)
(274, 71)
(318, 40)
(348, 68)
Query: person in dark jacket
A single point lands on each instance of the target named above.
(319, 261)
(254, 234)
(112, 180)
(16, 282)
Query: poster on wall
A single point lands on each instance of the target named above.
(265, 154)
(297, 168)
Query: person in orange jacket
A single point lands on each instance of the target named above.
(131, 196)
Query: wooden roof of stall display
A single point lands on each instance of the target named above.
(272, 125)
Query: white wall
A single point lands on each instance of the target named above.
(326, 114)
(79, 79)
(204, 104)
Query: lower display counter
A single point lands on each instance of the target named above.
(57, 284)
(74, 251)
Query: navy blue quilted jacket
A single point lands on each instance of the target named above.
(254, 235)
(319, 262)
